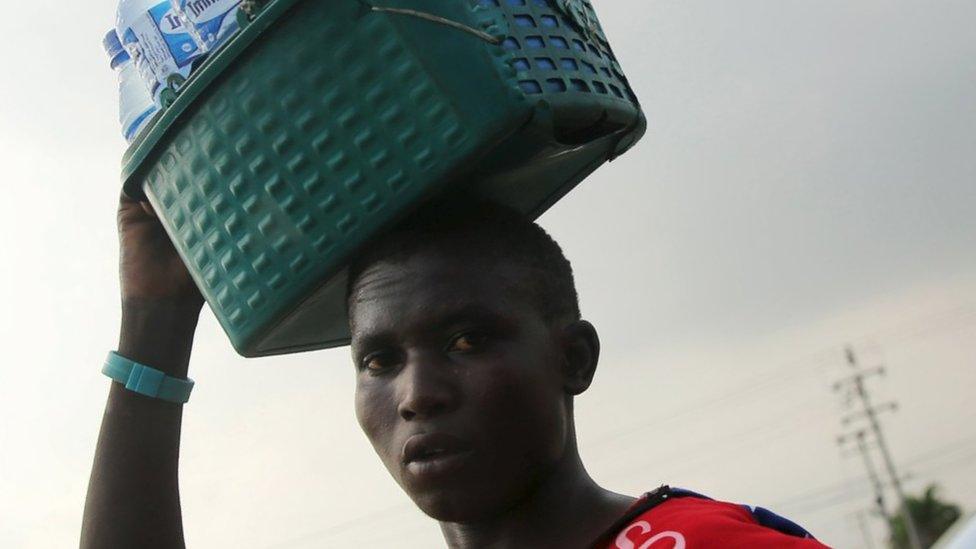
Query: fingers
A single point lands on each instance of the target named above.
(147, 207)
(125, 199)
(128, 205)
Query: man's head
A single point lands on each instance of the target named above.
(468, 344)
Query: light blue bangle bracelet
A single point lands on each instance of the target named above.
(147, 381)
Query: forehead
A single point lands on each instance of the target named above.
(429, 288)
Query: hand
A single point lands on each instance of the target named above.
(160, 301)
(150, 269)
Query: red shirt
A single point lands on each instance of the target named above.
(676, 519)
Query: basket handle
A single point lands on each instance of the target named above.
(495, 40)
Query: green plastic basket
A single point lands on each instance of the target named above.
(322, 123)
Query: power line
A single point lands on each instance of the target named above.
(705, 450)
(920, 459)
(951, 319)
(961, 444)
(846, 491)
(754, 385)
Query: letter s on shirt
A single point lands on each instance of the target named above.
(643, 528)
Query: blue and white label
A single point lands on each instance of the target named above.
(182, 48)
(158, 42)
(213, 21)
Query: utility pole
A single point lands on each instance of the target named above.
(876, 483)
(862, 525)
(870, 412)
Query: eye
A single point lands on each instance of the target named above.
(468, 341)
(379, 362)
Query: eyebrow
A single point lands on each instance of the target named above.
(470, 311)
(465, 313)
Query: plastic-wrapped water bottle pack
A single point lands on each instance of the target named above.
(156, 45)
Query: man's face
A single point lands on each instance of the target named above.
(459, 385)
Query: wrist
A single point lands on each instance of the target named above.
(159, 333)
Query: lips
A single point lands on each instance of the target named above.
(431, 447)
(430, 459)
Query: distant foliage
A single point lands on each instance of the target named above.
(932, 517)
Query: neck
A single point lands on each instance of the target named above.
(568, 509)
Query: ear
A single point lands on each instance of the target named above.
(581, 352)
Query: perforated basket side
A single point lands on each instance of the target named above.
(563, 58)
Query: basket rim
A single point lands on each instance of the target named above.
(135, 156)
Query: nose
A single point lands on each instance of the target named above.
(426, 388)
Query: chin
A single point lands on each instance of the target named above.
(474, 495)
(442, 511)
(471, 506)
(463, 503)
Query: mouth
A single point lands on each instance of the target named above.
(434, 454)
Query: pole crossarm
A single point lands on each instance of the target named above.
(880, 408)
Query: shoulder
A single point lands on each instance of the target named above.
(680, 519)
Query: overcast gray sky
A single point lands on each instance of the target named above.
(808, 179)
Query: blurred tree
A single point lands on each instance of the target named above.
(932, 516)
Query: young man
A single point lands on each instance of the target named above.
(469, 349)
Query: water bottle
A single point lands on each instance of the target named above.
(211, 21)
(160, 45)
(135, 104)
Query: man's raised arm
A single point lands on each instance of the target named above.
(133, 495)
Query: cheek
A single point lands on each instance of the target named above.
(362, 412)
(373, 419)
(525, 409)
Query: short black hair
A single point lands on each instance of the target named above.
(499, 233)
